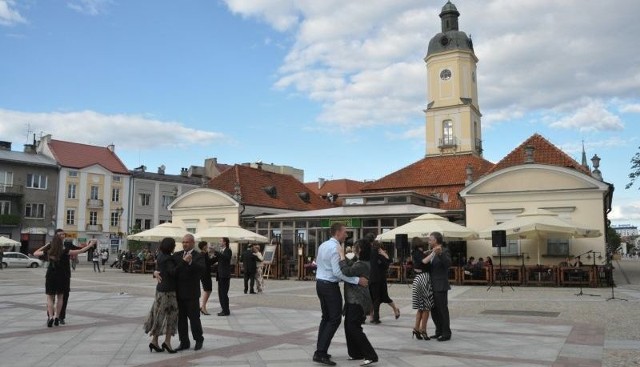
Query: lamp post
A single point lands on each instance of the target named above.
(525, 276)
(119, 212)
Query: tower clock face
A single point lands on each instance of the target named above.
(445, 74)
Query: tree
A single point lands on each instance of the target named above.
(635, 169)
(613, 240)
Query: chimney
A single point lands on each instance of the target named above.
(111, 147)
(5, 145)
(469, 172)
(30, 148)
(528, 154)
(211, 167)
(161, 169)
(320, 182)
(184, 172)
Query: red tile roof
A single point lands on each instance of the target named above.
(544, 153)
(253, 181)
(341, 186)
(76, 155)
(443, 176)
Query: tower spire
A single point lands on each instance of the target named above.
(584, 157)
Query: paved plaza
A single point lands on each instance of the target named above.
(500, 327)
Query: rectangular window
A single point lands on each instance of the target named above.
(73, 173)
(36, 181)
(447, 132)
(116, 178)
(5, 207)
(93, 218)
(557, 247)
(147, 224)
(95, 193)
(71, 191)
(115, 219)
(6, 180)
(166, 200)
(138, 224)
(145, 199)
(71, 217)
(34, 210)
(115, 195)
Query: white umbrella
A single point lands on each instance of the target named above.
(8, 242)
(234, 233)
(539, 224)
(423, 225)
(157, 233)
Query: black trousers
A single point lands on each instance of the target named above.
(189, 308)
(65, 300)
(331, 306)
(440, 313)
(358, 345)
(249, 278)
(223, 293)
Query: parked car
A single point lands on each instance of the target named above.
(20, 260)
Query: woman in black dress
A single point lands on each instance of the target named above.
(57, 280)
(357, 304)
(163, 316)
(422, 291)
(378, 282)
(207, 284)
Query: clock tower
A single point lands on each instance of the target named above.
(453, 113)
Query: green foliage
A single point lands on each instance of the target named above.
(613, 241)
(635, 170)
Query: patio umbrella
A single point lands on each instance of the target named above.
(539, 224)
(423, 225)
(8, 242)
(157, 233)
(234, 233)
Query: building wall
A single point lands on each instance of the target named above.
(33, 232)
(202, 208)
(506, 193)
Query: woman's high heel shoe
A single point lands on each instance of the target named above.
(416, 334)
(50, 323)
(153, 347)
(204, 312)
(168, 349)
(424, 335)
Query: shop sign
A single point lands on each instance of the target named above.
(348, 222)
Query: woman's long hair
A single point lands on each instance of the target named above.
(55, 249)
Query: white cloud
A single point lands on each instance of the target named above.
(125, 131)
(534, 56)
(630, 108)
(592, 146)
(627, 212)
(9, 15)
(592, 116)
(89, 7)
(411, 134)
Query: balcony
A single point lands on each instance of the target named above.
(447, 142)
(94, 228)
(95, 203)
(9, 220)
(11, 190)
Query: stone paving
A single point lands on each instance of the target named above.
(500, 327)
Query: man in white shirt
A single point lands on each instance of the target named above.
(328, 277)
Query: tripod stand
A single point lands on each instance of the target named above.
(500, 274)
(609, 270)
(580, 280)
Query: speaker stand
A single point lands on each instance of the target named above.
(500, 274)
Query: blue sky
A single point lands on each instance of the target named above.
(334, 87)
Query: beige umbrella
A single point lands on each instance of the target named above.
(234, 233)
(539, 224)
(157, 233)
(423, 225)
(8, 242)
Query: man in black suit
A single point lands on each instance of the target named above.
(223, 275)
(188, 272)
(250, 266)
(439, 272)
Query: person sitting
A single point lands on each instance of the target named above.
(488, 262)
(468, 267)
(478, 269)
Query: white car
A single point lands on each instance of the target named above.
(20, 260)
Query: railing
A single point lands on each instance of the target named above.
(94, 228)
(95, 203)
(447, 142)
(479, 146)
(475, 275)
(539, 275)
(11, 189)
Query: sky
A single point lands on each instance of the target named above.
(334, 87)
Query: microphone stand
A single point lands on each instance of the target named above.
(580, 281)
